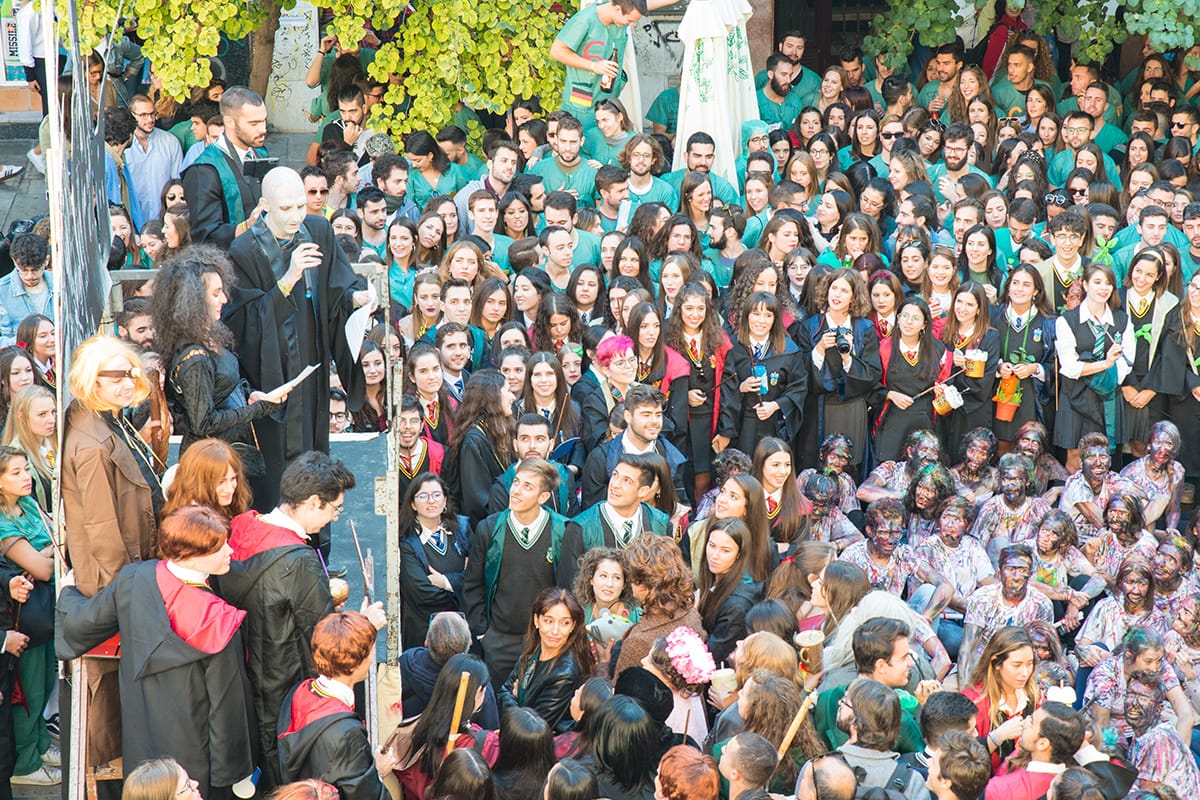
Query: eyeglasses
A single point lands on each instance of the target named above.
(338, 509)
(340, 416)
(1056, 199)
(318, 191)
(1175, 124)
(631, 361)
(956, 150)
(1077, 130)
(1082, 192)
(121, 374)
(1068, 236)
(891, 134)
(146, 115)
(1010, 120)
(425, 497)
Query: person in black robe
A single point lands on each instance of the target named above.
(319, 734)
(288, 310)
(223, 185)
(14, 588)
(1176, 374)
(184, 691)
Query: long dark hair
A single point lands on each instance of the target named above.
(421, 143)
(638, 246)
(408, 517)
(982, 317)
(577, 644)
(930, 363)
(555, 303)
(1041, 302)
(715, 589)
(565, 416)
(432, 729)
(526, 755)
(601, 306)
(658, 353)
(482, 407)
(777, 336)
(790, 520)
(482, 293)
(626, 742)
(179, 307)
(711, 335)
(594, 693)
(464, 775)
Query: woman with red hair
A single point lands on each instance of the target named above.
(210, 473)
(685, 773)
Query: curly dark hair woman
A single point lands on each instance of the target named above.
(203, 380)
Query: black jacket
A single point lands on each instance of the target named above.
(208, 397)
(330, 744)
(730, 623)
(210, 218)
(471, 472)
(546, 689)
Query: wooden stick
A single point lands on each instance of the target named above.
(930, 389)
(456, 719)
(794, 728)
(687, 720)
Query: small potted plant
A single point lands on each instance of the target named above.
(1008, 391)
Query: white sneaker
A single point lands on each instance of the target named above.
(42, 776)
(37, 159)
(52, 757)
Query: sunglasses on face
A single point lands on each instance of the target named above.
(1056, 199)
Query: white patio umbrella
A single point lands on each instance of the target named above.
(716, 92)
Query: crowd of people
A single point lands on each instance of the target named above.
(676, 521)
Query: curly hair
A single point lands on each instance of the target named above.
(774, 701)
(860, 305)
(180, 305)
(588, 564)
(655, 563)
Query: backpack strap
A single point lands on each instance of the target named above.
(901, 776)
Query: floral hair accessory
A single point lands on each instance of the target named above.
(689, 656)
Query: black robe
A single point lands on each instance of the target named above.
(278, 336)
(280, 584)
(320, 737)
(206, 200)
(177, 700)
(1174, 375)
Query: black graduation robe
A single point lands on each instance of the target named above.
(278, 336)
(184, 691)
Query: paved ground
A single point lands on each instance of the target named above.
(24, 197)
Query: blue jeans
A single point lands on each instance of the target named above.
(949, 631)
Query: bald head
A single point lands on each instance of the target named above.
(283, 195)
(827, 778)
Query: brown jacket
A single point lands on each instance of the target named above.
(637, 643)
(107, 504)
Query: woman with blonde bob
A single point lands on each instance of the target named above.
(32, 422)
(111, 498)
(209, 474)
(160, 779)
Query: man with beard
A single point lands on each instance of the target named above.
(288, 310)
(1157, 752)
(948, 62)
(349, 132)
(1159, 475)
(223, 185)
(619, 519)
(1051, 736)
(1173, 580)
(612, 189)
(804, 81)
(501, 169)
(892, 478)
(1077, 130)
(1010, 602)
(372, 211)
(958, 560)
(567, 171)
(1087, 492)
(135, 324)
(725, 229)
(643, 157)
(944, 175)
(534, 439)
(1013, 515)
(417, 452)
(390, 175)
(777, 104)
(698, 157)
(882, 652)
(642, 434)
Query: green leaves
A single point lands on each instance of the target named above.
(934, 22)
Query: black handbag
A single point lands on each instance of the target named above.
(34, 617)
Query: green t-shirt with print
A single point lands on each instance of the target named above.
(590, 38)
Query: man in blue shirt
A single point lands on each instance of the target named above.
(25, 290)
